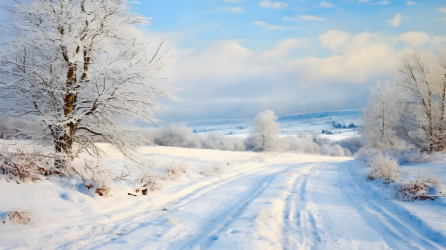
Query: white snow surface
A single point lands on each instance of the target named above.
(257, 201)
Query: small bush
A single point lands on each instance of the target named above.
(147, 179)
(16, 217)
(419, 188)
(383, 167)
(26, 166)
(353, 144)
(96, 178)
(174, 170)
(152, 183)
(211, 170)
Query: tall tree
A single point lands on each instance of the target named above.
(80, 68)
(423, 96)
(381, 118)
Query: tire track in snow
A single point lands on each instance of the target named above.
(128, 224)
(300, 230)
(234, 213)
(203, 231)
(398, 229)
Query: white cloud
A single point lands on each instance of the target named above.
(363, 1)
(356, 58)
(284, 47)
(304, 17)
(334, 39)
(231, 9)
(325, 4)
(411, 3)
(236, 78)
(383, 2)
(396, 21)
(273, 5)
(272, 27)
(442, 10)
(414, 38)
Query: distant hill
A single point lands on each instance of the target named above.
(305, 116)
(286, 118)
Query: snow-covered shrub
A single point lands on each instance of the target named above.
(195, 141)
(353, 144)
(213, 141)
(413, 190)
(174, 170)
(347, 152)
(405, 156)
(18, 217)
(337, 150)
(325, 150)
(383, 167)
(147, 179)
(96, 177)
(233, 144)
(152, 182)
(209, 171)
(173, 135)
(302, 145)
(333, 150)
(419, 188)
(23, 165)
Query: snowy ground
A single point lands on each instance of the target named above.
(257, 201)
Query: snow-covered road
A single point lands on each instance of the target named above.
(308, 202)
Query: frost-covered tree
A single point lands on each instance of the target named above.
(76, 69)
(423, 98)
(380, 118)
(266, 132)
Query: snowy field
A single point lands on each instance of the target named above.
(228, 200)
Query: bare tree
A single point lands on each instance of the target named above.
(77, 69)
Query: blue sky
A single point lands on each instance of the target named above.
(235, 58)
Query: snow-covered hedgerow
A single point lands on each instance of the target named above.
(383, 167)
(174, 136)
(334, 150)
(403, 156)
(302, 145)
(181, 136)
(353, 144)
